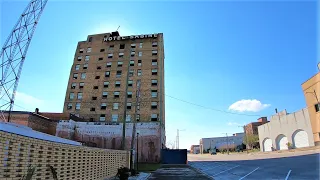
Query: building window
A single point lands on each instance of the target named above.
(103, 106)
(154, 52)
(139, 62)
(79, 58)
(106, 84)
(131, 71)
(104, 94)
(154, 71)
(115, 106)
(111, 47)
(110, 55)
(138, 117)
(81, 50)
(83, 75)
(90, 39)
(154, 93)
(85, 66)
(130, 82)
(107, 74)
(102, 117)
(129, 105)
(75, 76)
(132, 53)
(99, 67)
(92, 109)
(116, 94)
(94, 98)
(129, 94)
(101, 50)
(78, 105)
(79, 95)
(154, 44)
(95, 87)
(77, 67)
(154, 117)
(140, 45)
(109, 64)
(71, 96)
(128, 118)
(73, 85)
(87, 58)
(140, 54)
(154, 82)
(133, 45)
(154, 62)
(121, 55)
(118, 74)
(117, 84)
(100, 59)
(122, 46)
(114, 117)
(92, 119)
(89, 49)
(120, 63)
(154, 105)
(97, 77)
(139, 72)
(69, 106)
(317, 107)
(131, 62)
(81, 85)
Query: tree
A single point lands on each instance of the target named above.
(251, 140)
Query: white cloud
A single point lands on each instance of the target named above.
(27, 101)
(250, 105)
(234, 124)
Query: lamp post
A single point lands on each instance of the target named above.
(177, 147)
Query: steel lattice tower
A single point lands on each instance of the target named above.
(13, 53)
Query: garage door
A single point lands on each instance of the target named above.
(267, 144)
(300, 139)
(282, 141)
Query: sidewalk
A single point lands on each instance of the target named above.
(178, 172)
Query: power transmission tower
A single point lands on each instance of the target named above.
(13, 53)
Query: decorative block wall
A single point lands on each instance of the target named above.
(70, 162)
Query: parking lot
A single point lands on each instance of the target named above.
(301, 165)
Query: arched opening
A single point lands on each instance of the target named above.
(267, 144)
(300, 139)
(281, 142)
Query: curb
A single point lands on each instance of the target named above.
(199, 171)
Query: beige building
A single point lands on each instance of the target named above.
(105, 75)
(311, 90)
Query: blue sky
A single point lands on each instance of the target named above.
(253, 55)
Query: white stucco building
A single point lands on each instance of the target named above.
(218, 142)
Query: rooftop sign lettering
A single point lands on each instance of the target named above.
(118, 38)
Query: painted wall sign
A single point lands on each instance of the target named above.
(118, 38)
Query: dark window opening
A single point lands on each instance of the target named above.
(111, 47)
(154, 106)
(317, 107)
(92, 109)
(103, 107)
(100, 58)
(94, 98)
(90, 39)
(81, 85)
(154, 82)
(116, 96)
(122, 46)
(99, 67)
(118, 74)
(91, 119)
(95, 87)
(97, 77)
(154, 72)
(107, 74)
(129, 96)
(101, 50)
(154, 119)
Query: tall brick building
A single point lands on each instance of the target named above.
(105, 74)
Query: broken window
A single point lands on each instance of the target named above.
(120, 63)
(154, 62)
(103, 106)
(117, 84)
(77, 67)
(154, 82)
(106, 84)
(116, 94)
(104, 94)
(81, 85)
(154, 52)
(107, 74)
(69, 106)
(115, 106)
(73, 85)
(154, 105)
(122, 46)
(129, 105)
(109, 64)
(75, 76)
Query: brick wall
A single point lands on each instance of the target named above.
(70, 162)
(42, 124)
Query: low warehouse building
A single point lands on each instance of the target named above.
(285, 129)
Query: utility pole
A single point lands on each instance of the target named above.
(177, 139)
(123, 143)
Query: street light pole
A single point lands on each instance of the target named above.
(178, 137)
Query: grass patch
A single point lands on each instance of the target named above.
(148, 167)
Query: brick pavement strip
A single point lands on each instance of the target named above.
(178, 172)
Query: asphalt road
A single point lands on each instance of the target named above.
(284, 167)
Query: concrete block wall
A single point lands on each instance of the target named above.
(70, 162)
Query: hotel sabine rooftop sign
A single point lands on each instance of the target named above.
(118, 38)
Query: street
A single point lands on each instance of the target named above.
(297, 165)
